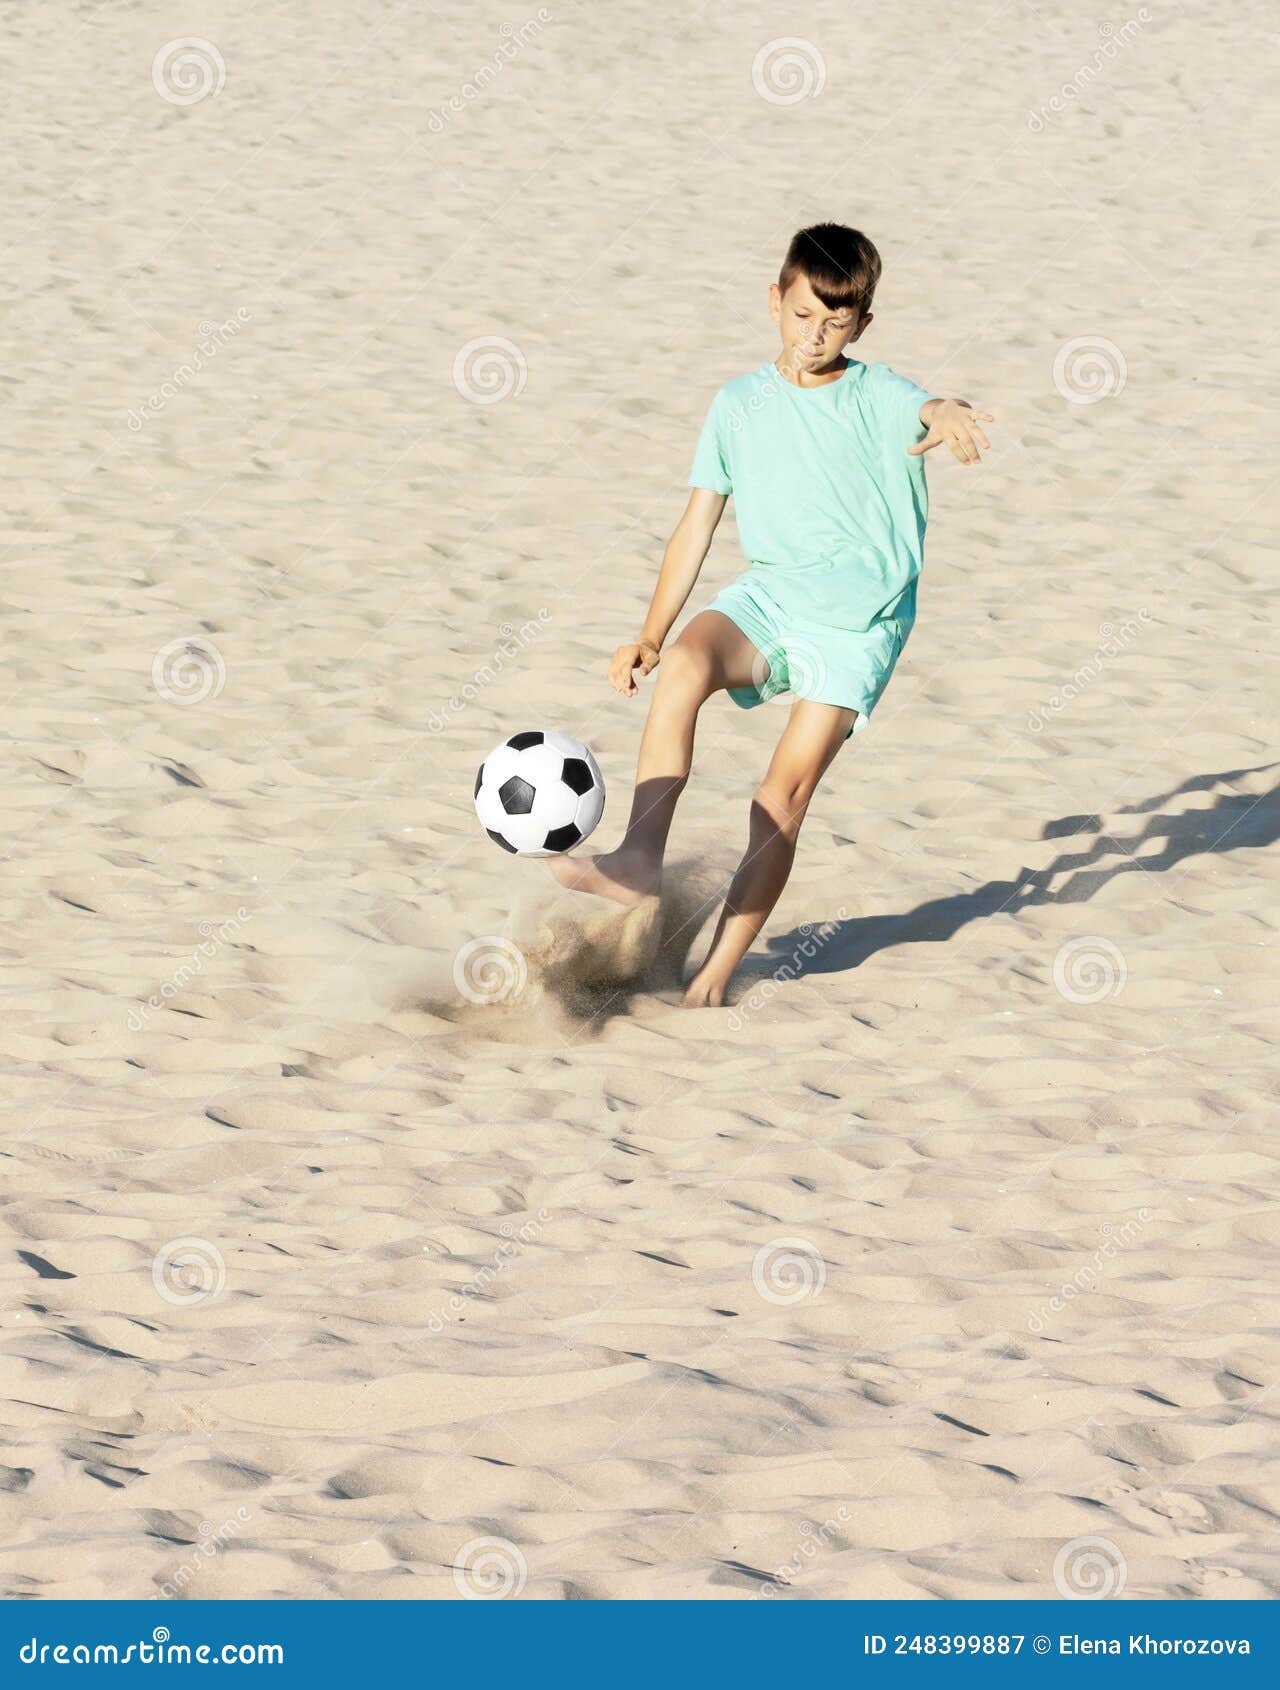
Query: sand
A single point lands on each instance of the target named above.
(942, 1262)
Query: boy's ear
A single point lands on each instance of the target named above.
(861, 328)
(775, 301)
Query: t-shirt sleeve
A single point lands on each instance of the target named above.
(711, 460)
(898, 401)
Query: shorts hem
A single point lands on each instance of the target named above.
(862, 720)
(755, 630)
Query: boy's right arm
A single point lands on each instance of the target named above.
(681, 562)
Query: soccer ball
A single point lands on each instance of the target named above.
(539, 793)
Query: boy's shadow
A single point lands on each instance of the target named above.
(1232, 821)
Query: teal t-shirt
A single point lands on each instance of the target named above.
(831, 511)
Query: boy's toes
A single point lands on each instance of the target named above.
(704, 994)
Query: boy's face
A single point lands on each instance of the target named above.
(813, 334)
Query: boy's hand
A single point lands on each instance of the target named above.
(954, 423)
(638, 654)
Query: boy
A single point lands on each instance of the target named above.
(825, 459)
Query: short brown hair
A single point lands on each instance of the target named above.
(841, 265)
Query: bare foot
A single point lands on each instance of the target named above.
(626, 879)
(704, 991)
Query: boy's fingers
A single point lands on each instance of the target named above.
(964, 445)
(629, 660)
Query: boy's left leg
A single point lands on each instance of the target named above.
(811, 738)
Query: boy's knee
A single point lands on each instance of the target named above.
(783, 803)
(687, 669)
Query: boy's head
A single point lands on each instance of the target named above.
(821, 300)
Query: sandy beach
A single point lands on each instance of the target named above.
(377, 1223)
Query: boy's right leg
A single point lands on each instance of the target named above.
(712, 653)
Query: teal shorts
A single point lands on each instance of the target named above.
(810, 659)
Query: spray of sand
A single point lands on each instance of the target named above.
(584, 963)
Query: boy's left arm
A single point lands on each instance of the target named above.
(954, 423)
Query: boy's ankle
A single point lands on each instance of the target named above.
(641, 856)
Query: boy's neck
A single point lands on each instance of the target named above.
(800, 377)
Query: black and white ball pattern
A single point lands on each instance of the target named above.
(539, 793)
